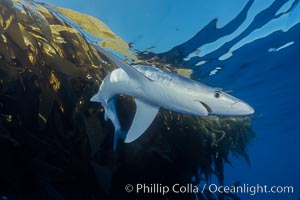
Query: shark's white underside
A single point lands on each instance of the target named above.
(154, 88)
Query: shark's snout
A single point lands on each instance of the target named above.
(242, 108)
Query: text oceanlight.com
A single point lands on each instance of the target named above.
(213, 188)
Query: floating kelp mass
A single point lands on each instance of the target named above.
(55, 143)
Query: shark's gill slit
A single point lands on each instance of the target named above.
(209, 110)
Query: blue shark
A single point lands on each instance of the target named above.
(154, 88)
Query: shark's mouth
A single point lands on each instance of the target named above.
(209, 110)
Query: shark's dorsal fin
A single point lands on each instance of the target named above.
(131, 71)
(144, 116)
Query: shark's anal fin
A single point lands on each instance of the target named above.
(144, 116)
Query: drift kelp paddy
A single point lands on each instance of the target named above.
(55, 142)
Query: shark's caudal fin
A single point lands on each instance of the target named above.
(118, 135)
(144, 116)
(111, 113)
(131, 71)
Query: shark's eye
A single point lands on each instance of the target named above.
(217, 94)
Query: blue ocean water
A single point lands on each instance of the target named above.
(255, 54)
(261, 65)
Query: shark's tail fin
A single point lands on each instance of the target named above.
(111, 113)
(118, 135)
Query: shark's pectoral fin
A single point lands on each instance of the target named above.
(144, 116)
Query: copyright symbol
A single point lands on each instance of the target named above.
(129, 188)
